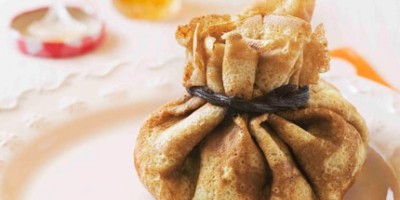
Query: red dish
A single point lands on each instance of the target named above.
(54, 49)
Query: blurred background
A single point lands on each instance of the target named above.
(371, 28)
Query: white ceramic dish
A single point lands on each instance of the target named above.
(90, 157)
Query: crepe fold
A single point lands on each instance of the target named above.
(191, 149)
(252, 54)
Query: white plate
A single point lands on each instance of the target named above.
(87, 158)
(90, 157)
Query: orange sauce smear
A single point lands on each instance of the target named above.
(363, 68)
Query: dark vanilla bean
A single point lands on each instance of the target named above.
(283, 98)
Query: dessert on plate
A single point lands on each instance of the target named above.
(257, 121)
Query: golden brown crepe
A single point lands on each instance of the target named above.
(191, 149)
